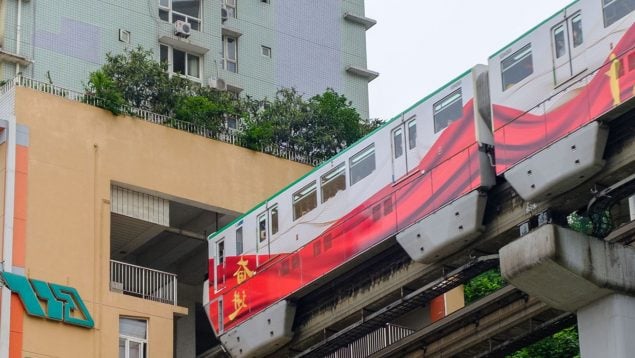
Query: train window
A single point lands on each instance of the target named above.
(412, 134)
(447, 110)
(615, 10)
(304, 200)
(239, 241)
(397, 142)
(274, 220)
(576, 28)
(220, 251)
(517, 67)
(559, 41)
(332, 182)
(262, 227)
(362, 164)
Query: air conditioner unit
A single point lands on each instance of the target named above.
(182, 28)
(223, 14)
(217, 83)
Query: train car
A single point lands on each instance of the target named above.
(421, 177)
(550, 88)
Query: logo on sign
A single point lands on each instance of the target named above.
(62, 303)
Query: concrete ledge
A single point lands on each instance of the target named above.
(566, 269)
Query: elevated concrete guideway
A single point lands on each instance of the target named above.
(577, 273)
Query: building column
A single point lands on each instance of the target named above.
(606, 327)
(577, 273)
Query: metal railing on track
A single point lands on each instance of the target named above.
(396, 309)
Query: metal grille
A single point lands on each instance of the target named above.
(396, 309)
(372, 343)
(143, 282)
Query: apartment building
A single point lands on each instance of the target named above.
(104, 222)
(252, 47)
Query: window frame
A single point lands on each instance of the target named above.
(195, 22)
(335, 173)
(232, 9)
(517, 57)
(361, 157)
(397, 142)
(446, 103)
(580, 40)
(273, 209)
(411, 126)
(263, 51)
(239, 239)
(621, 14)
(170, 63)
(143, 342)
(300, 195)
(225, 52)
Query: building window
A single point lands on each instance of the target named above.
(185, 10)
(615, 10)
(447, 110)
(333, 182)
(517, 67)
(230, 6)
(362, 164)
(181, 62)
(264, 1)
(304, 200)
(133, 338)
(266, 51)
(230, 58)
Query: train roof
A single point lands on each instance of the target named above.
(350, 147)
(532, 29)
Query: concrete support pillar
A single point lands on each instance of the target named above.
(576, 273)
(606, 327)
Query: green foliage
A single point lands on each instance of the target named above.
(564, 344)
(143, 82)
(483, 284)
(109, 97)
(318, 127)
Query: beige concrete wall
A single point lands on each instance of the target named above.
(75, 152)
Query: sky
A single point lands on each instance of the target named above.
(418, 46)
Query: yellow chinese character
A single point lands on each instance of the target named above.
(614, 79)
(243, 272)
(240, 302)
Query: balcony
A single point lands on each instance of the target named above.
(143, 282)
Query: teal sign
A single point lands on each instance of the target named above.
(62, 302)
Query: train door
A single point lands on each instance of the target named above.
(566, 39)
(267, 226)
(403, 143)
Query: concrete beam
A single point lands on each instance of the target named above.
(566, 269)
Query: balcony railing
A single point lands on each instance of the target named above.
(143, 282)
(230, 137)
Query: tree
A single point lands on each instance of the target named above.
(319, 127)
(142, 82)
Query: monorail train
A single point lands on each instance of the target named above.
(531, 116)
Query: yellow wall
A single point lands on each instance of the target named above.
(75, 152)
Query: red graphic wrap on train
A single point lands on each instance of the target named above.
(449, 170)
(518, 135)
